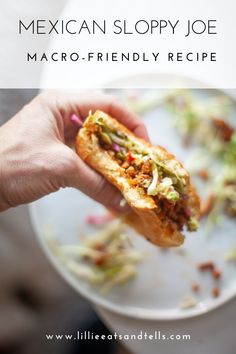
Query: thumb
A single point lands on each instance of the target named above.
(95, 186)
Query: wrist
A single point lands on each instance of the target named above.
(4, 205)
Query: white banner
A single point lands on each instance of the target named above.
(94, 44)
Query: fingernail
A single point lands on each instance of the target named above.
(76, 120)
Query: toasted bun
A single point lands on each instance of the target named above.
(156, 227)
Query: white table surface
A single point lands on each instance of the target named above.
(213, 333)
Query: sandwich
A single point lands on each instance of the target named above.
(155, 185)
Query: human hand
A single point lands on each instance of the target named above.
(34, 157)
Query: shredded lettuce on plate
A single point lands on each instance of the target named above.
(195, 120)
(105, 258)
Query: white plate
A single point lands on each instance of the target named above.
(164, 277)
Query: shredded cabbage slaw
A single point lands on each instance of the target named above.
(104, 259)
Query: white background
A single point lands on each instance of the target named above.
(16, 72)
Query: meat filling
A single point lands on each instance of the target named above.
(141, 176)
(151, 178)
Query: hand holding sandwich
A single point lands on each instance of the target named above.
(35, 159)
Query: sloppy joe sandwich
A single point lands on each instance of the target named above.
(155, 185)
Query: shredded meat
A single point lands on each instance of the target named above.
(125, 165)
(216, 292)
(229, 207)
(140, 176)
(146, 167)
(131, 171)
(203, 174)
(177, 212)
(224, 130)
(230, 211)
(195, 288)
(206, 266)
